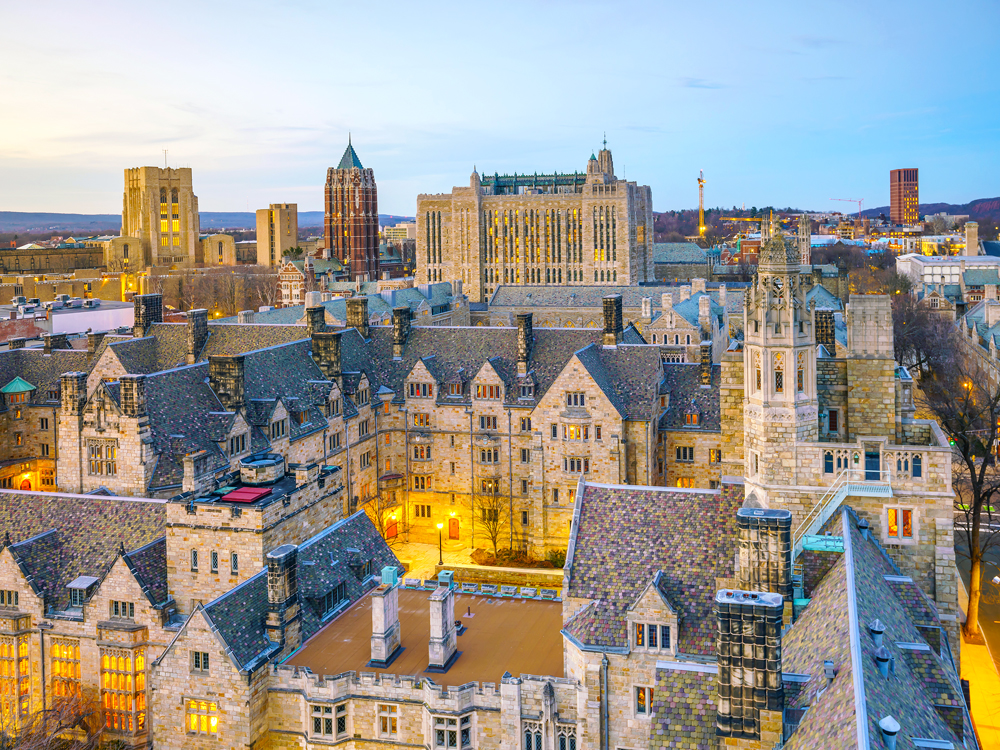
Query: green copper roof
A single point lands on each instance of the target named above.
(350, 159)
(17, 385)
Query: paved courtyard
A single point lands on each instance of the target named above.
(421, 558)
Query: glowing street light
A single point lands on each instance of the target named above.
(440, 554)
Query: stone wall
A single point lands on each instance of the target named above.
(551, 578)
(815, 565)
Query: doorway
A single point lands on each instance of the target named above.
(872, 466)
(26, 484)
(453, 528)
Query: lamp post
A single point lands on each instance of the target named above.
(440, 554)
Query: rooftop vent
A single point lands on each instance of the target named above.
(882, 657)
(890, 728)
(876, 628)
(863, 527)
(829, 671)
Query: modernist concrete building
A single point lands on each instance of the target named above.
(556, 229)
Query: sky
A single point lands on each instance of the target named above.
(780, 103)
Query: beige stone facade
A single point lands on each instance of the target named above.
(575, 229)
(160, 210)
(277, 231)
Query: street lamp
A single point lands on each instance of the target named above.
(440, 555)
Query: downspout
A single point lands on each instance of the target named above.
(42, 627)
(605, 729)
(347, 447)
(406, 458)
(510, 477)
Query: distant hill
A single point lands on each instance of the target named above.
(980, 209)
(22, 221)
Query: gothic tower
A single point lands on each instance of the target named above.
(350, 223)
(780, 404)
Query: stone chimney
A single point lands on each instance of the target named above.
(17, 343)
(525, 342)
(667, 301)
(197, 334)
(386, 633)
(313, 299)
(55, 341)
(685, 292)
(148, 310)
(705, 316)
(826, 330)
(698, 286)
(400, 330)
(357, 314)
(133, 395)
(751, 694)
(194, 467)
(647, 308)
(612, 319)
(225, 378)
(971, 238)
(722, 294)
(706, 364)
(73, 387)
(326, 352)
(244, 316)
(765, 549)
(315, 319)
(991, 313)
(283, 613)
(94, 340)
(442, 650)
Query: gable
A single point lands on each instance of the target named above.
(653, 602)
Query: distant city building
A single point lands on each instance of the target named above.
(159, 210)
(277, 231)
(350, 224)
(577, 228)
(903, 196)
(400, 232)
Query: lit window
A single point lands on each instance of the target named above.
(899, 523)
(388, 717)
(643, 701)
(203, 718)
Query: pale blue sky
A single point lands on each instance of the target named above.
(784, 103)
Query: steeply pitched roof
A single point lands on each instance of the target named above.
(58, 537)
(624, 535)
(684, 707)
(18, 385)
(683, 383)
(350, 158)
(678, 252)
(41, 370)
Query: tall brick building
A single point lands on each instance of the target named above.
(903, 197)
(557, 229)
(350, 224)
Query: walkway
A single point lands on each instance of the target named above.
(984, 686)
(421, 558)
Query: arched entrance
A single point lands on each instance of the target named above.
(26, 484)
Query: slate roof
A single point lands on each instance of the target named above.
(824, 299)
(149, 566)
(624, 535)
(350, 158)
(58, 537)
(590, 296)
(684, 710)
(981, 277)
(678, 252)
(922, 680)
(688, 309)
(683, 383)
(41, 370)
(333, 556)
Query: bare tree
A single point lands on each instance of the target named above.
(73, 722)
(491, 506)
(966, 403)
(263, 285)
(921, 337)
(383, 509)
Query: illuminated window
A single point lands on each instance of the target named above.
(644, 701)
(800, 373)
(123, 689)
(757, 374)
(202, 718)
(685, 482)
(899, 523)
(779, 372)
(421, 420)
(388, 717)
(65, 667)
(15, 673)
(103, 455)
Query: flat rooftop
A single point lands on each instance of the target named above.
(520, 636)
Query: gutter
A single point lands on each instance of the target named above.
(857, 668)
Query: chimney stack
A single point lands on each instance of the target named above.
(722, 294)
(133, 395)
(315, 319)
(55, 341)
(197, 334)
(612, 320)
(225, 377)
(647, 308)
(400, 330)
(698, 286)
(685, 292)
(765, 549)
(357, 314)
(73, 391)
(326, 352)
(17, 343)
(148, 309)
(525, 342)
(442, 650)
(705, 316)
(94, 340)
(706, 364)
(971, 238)
(313, 299)
(386, 634)
(667, 301)
(751, 694)
(282, 597)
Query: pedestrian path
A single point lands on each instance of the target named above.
(980, 670)
(422, 558)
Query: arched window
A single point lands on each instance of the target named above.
(677, 339)
(828, 462)
(779, 372)
(173, 196)
(800, 373)
(654, 338)
(687, 339)
(757, 373)
(163, 195)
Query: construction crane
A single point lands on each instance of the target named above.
(851, 200)
(701, 203)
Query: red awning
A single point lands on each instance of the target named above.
(247, 494)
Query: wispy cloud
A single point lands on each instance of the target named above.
(699, 83)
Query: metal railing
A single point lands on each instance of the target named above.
(864, 482)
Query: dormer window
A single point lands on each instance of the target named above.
(364, 396)
(488, 392)
(527, 391)
(334, 407)
(80, 589)
(651, 636)
(692, 419)
(421, 390)
(454, 390)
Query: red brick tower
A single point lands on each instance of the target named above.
(350, 224)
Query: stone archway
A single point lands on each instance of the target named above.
(26, 484)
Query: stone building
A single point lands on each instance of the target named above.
(556, 229)
(277, 231)
(160, 212)
(351, 216)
